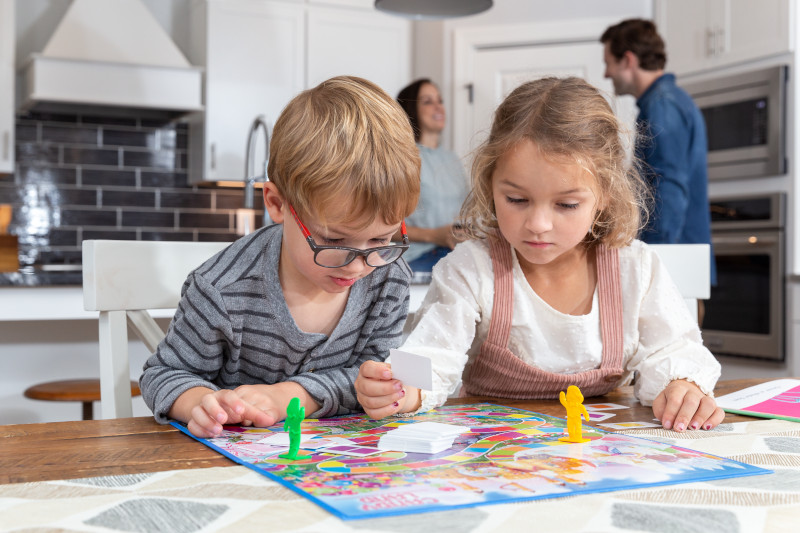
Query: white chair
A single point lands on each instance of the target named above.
(122, 280)
(689, 267)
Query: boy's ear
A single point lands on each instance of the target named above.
(274, 202)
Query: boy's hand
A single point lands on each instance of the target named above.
(257, 405)
(382, 396)
(682, 405)
(224, 406)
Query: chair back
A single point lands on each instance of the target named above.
(689, 266)
(123, 280)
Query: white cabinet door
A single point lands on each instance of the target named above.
(7, 34)
(703, 34)
(253, 52)
(756, 29)
(364, 43)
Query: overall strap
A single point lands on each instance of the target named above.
(503, 301)
(610, 295)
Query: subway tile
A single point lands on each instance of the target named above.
(63, 256)
(63, 237)
(165, 179)
(204, 220)
(70, 134)
(110, 234)
(235, 199)
(108, 176)
(162, 159)
(113, 198)
(50, 117)
(143, 139)
(167, 139)
(182, 140)
(110, 121)
(157, 122)
(88, 217)
(26, 132)
(167, 236)
(153, 219)
(200, 199)
(91, 156)
(28, 152)
(64, 197)
(40, 174)
(205, 236)
(9, 193)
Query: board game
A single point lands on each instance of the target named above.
(505, 455)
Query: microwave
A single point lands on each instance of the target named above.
(745, 116)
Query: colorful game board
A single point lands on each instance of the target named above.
(509, 455)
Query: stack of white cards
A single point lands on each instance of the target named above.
(421, 437)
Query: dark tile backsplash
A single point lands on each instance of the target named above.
(92, 177)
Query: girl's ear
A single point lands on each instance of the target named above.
(274, 202)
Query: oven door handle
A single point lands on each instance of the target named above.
(754, 240)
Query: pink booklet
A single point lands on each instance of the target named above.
(779, 398)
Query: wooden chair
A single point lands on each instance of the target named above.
(123, 280)
(86, 391)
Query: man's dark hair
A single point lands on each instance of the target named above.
(408, 98)
(640, 37)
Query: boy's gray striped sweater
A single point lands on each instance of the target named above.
(233, 327)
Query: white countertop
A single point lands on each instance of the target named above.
(66, 303)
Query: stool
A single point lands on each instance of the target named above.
(85, 391)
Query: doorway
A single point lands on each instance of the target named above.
(490, 63)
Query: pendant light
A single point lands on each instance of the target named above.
(432, 9)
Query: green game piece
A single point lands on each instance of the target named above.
(294, 417)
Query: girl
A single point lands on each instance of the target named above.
(553, 290)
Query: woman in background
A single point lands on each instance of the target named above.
(444, 183)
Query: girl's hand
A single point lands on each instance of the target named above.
(682, 405)
(379, 394)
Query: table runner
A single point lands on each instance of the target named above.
(235, 499)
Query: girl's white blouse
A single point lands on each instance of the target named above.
(661, 339)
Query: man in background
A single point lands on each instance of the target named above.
(671, 135)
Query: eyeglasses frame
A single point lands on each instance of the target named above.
(316, 248)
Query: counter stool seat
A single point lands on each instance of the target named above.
(85, 391)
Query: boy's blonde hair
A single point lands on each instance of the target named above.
(346, 140)
(570, 121)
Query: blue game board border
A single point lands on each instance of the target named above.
(750, 470)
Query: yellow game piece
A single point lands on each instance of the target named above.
(573, 403)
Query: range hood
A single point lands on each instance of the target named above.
(112, 55)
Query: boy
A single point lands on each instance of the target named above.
(294, 309)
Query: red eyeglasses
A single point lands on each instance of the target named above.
(339, 256)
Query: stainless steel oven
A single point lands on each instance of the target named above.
(745, 313)
(745, 116)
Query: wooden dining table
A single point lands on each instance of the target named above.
(87, 448)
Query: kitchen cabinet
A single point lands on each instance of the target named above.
(702, 34)
(365, 43)
(258, 54)
(7, 34)
(254, 58)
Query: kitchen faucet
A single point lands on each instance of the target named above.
(249, 177)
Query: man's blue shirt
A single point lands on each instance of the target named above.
(673, 145)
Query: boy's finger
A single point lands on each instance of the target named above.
(203, 425)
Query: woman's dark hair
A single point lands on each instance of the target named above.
(408, 99)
